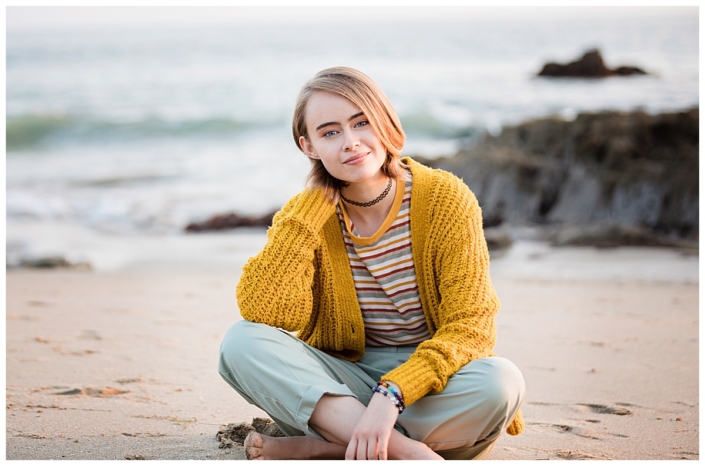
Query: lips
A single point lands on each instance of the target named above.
(355, 159)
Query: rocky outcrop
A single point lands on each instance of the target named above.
(498, 239)
(229, 221)
(47, 262)
(590, 65)
(608, 168)
(608, 235)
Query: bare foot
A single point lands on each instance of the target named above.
(254, 446)
(264, 447)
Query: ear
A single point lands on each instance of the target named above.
(308, 148)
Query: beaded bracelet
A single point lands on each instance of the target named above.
(385, 384)
(397, 402)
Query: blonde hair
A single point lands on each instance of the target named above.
(362, 91)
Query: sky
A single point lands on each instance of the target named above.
(21, 18)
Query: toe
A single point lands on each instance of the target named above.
(253, 446)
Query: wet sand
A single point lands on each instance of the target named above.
(122, 364)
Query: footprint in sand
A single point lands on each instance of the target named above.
(579, 431)
(59, 349)
(603, 409)
(91, 391)
(89, 335)
(574, 430)
(578, 455)
(129, 380)
(37, 303)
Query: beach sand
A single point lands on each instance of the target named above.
(123, 364)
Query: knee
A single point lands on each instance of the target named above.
(241, 343)
(504, 385)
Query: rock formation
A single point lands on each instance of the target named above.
(590, 65)
(229, 221)
(606, 168)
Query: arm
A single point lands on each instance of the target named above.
(466, 301)
(275, 286)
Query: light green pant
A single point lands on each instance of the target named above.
(285, 377)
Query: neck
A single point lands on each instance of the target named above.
(365, 192)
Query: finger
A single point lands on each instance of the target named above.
(382, 448)
(362, 450)
(372, 450)
(352, 448)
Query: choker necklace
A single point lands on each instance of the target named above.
(373, 201)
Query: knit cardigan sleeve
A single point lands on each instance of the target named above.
(463, 302)
(276, 285)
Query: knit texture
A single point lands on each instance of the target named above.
(301, 281)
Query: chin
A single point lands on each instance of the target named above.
(361, 175)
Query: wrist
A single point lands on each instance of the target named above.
(386, 391)
(392, 386)
(382, 403)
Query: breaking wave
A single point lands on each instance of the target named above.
(34, 130)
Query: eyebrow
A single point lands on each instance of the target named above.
(336, 123)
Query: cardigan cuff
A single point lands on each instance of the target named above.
(415, 378)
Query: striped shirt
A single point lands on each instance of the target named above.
(384, 276)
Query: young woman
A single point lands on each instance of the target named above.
(378, 274)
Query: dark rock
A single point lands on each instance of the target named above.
(590, 65)
(497, 239)
(609, 235)
(628, 71)
(611, 167)
(49, 262)
(229, 221)
(45, 262)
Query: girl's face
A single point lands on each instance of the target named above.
(340, 136)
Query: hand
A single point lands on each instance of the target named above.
(370, 439)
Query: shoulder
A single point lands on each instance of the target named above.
(442, 190)
(302, 200)
(309, 209)
(288, 207)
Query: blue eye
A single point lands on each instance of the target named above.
(362, 123)
(329, 134)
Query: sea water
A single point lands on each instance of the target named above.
(128, 130)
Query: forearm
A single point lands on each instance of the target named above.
(275, 286)
(278, 278)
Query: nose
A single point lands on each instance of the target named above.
(351, 141)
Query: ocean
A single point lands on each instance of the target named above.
(141, 130)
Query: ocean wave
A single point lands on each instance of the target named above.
(29, 131)
(428, 125)
(113, 181)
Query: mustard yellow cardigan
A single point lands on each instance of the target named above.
(301, 281)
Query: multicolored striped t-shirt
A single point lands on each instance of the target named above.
(385, 280)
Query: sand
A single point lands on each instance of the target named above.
(123, 364)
